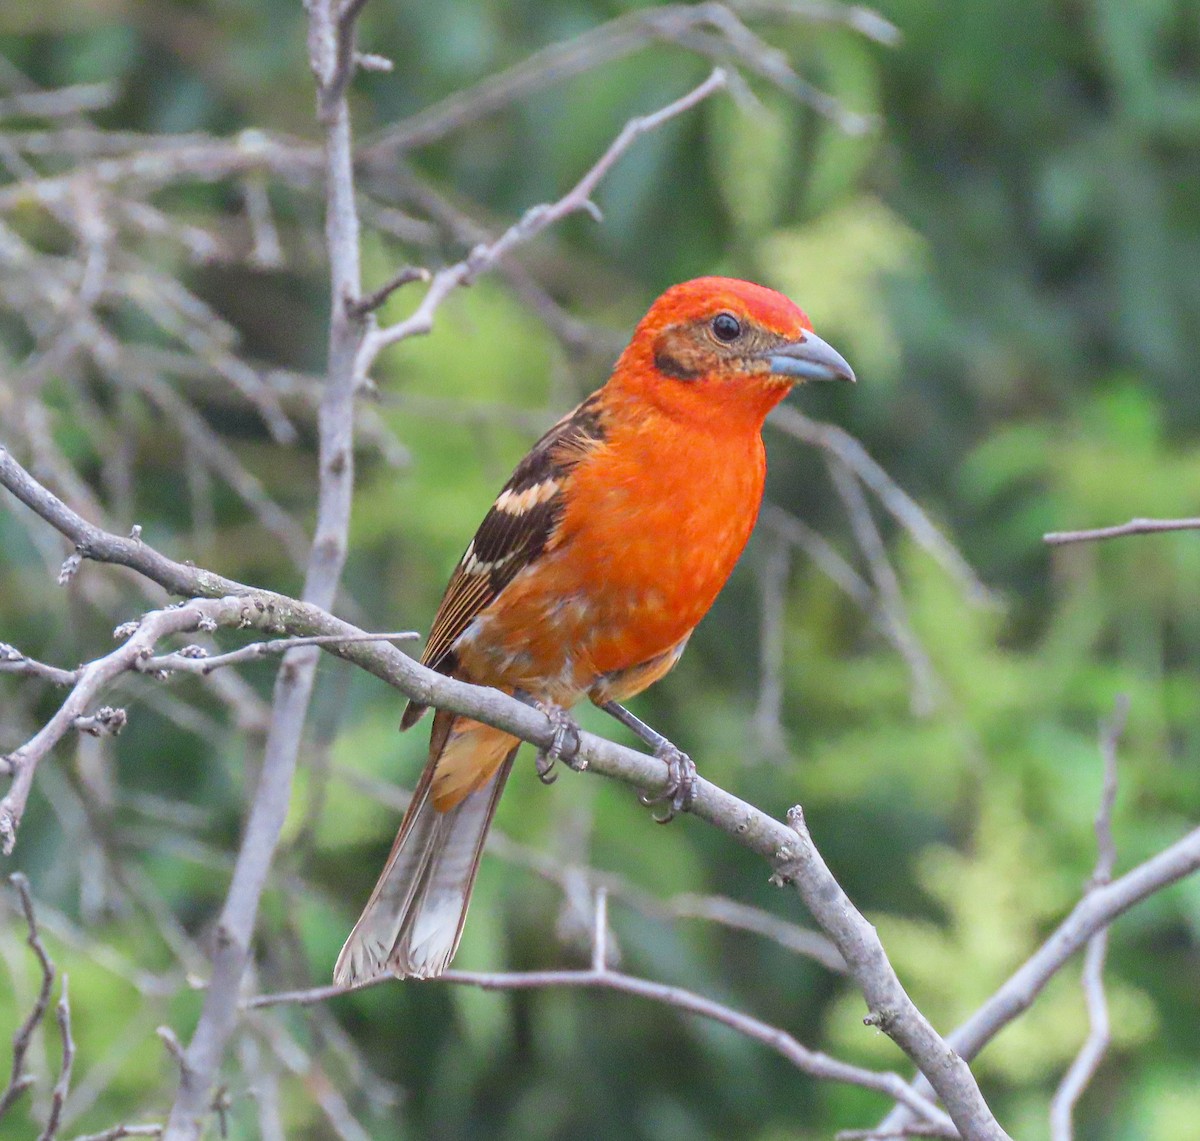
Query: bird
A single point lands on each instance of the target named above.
(601, 554)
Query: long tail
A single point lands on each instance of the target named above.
(414, 919)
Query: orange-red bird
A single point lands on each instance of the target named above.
(603, 551)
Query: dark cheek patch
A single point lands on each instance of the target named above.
(670, 365)
(676, 354)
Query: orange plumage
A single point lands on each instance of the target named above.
(606, 547)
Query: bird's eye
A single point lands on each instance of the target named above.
(726, 327)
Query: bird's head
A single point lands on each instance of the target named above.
(716, 346)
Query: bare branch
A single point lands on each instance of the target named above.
(826, 557)
(742, 917)
(12, 661)
(1110, 737)
(146, 164)
(172, 1045)
(600, 932)
(118, 1132)
(879, 602)
(575, 335)
(914, 1129)
(196, 659)
(1087, 1061)
(926, 687)
(107, 721)
(266, 251)
(1094, 912)
(866, 21)
(741, 821)
(136, 654)
(811, 1062)
(535, 220)
(19, 1081)
(93, 679)
(63, 1085)
(370, 61)
(772, 638)
(1133, 527)
(308, 1067)
(60, 102)
(405, 276)
(891, 1010)
(727, 39)
(745, 824)
(311, 996)
(76, 939)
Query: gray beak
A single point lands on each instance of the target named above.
(810, 358)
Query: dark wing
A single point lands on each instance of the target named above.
(513, 533)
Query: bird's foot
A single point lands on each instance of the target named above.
(564, 746)
(680, 790)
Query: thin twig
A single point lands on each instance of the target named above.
(267, 609)
(1081, 1071)
(172, 1045)
(118, 1132)
(61, 1087)
(891, 624)
(107, 721)
(534, 221)
(311, 996)
(307, 1065)
(685, 25)
(811, 1062)
(742, 917)
(60, 102)
(914, 1129)
(147, 163)
(1133, 527)
(600, 932)
(772, 639)
(827, 559)
(19, 1081)
(926, 687)
(93, 679)
(402, 277)
(196, 660)
(12, 661)
(266, 251)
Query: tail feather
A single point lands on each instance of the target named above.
(414, 919)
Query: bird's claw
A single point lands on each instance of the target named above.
(680, 790)
(563, 747)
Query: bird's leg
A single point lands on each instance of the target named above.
(680, 789)
(565, 744)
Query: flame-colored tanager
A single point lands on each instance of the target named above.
(606, 547)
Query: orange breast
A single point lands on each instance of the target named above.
(678, 508)
(656, 520)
